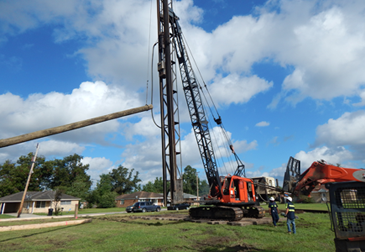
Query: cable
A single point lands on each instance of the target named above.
(148, 50)
(153, 118)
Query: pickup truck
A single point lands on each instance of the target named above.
(144, 207)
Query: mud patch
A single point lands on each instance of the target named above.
(219, 244)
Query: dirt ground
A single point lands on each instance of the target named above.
(184, 216)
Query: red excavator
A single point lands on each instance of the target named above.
(347, 198)
(318, 173)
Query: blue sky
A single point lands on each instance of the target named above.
(287, 77)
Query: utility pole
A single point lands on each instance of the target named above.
(197, 186)
(26, 186)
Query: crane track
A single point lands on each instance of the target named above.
(226, 212)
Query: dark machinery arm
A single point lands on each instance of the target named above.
(196, 110)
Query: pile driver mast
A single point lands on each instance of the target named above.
(170, 136)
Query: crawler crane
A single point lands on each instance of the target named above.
(231, 197)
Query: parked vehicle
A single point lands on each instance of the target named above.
(181, 206)
(129, 209)
(144, 207)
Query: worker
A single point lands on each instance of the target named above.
(273, 211)
(290, 210)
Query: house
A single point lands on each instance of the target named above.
(187, 197)
(36, 202)
(320, 194)
(129, 199)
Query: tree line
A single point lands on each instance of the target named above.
(69, 175)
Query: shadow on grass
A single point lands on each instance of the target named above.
(124, 220)
(34, 234)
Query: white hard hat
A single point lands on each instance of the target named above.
(289, 199)
(272, 199)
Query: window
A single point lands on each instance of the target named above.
(122, 201)
(40, 204)
(65, 202)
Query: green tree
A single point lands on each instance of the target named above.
(149, 187)
(203, 187)
(189, 180)
(156, 186)
(123, 180)
(9, 183)
(70, 175)
(105, 197)
(107, 200)
(13, 176)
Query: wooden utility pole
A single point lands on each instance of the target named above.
(71, 126)
(26, 186)
(197, 186)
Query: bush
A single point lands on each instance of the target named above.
(306, 199)
(107, 200)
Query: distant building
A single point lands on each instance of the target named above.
(264, 188)
(320, 194)
(125, 200)
(36, 202)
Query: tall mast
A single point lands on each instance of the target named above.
(168, 106)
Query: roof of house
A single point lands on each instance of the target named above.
(320, 189)
(140, 195)
(185, 196)
(36, 196)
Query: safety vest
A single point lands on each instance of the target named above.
(291, 211)
(273, 207)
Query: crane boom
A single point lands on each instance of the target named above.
(233, 197)
(196, 110)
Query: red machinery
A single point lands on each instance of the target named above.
(318, 173)
(347, 198)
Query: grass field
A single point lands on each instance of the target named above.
(120, 233)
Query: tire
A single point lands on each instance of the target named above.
(187, 208)
(158, 209)
(143, 210)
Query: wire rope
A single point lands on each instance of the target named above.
(148, 49)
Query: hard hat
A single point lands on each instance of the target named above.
(289, 199)
(272, 199)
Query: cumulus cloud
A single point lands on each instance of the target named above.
(262, 124)
(346, 130)
(42, 111)
(97, 166)
(237, 89)
(330, 155)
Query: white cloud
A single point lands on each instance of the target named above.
(346, 130)
(262, 124)
(236, 89)
(97, 166)
(330, 155)
(42, 111)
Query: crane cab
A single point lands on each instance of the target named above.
(238, 190)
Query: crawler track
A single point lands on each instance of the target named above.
(226, 213)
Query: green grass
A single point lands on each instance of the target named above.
(89, 211)
(120, 233)
(312, 206)
(6, 216)
(33, 221)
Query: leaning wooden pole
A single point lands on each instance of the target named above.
(71, 126)
(26, 186)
